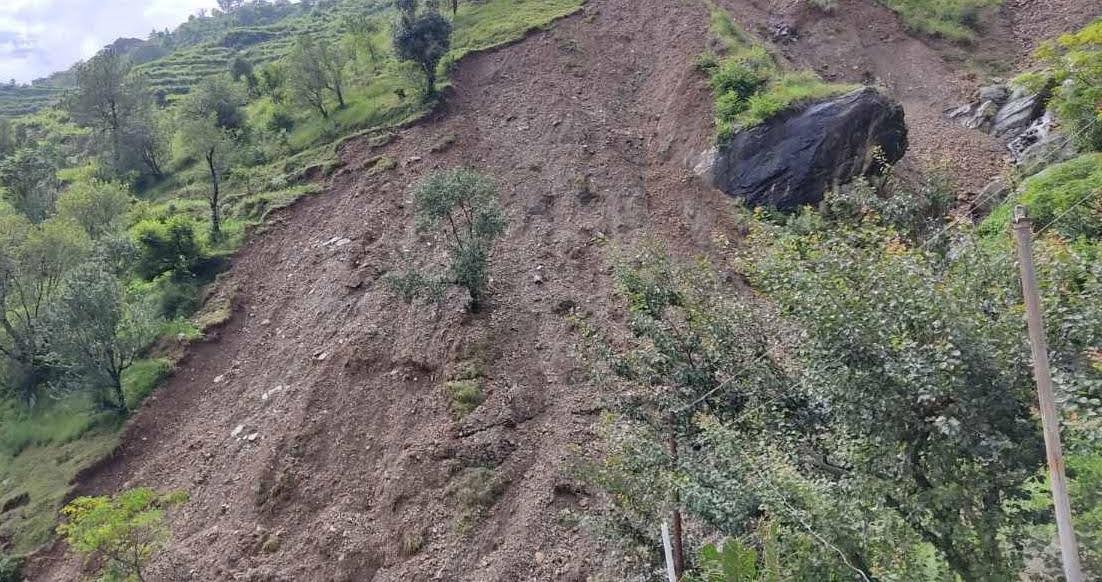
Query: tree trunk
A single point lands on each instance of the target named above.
(430, 80)
(215, 218)
(116, 379)
(340, 94)
(676, 534)
(455, 7)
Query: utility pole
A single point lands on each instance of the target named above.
(1049, 421)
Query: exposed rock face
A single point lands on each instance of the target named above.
(1019, 118)
(1017, 114)
(792, 159)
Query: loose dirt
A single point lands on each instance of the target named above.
(318, 417)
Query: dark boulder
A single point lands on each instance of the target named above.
(794, 158)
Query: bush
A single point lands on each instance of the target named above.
(1059, 189)
(1075, 65)
(167, 246)
(748, 85)
(124, 530)
(11, 569)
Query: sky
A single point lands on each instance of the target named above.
(39, 37)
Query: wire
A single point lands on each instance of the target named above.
(1069, 210)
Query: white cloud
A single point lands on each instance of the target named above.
(38, 37)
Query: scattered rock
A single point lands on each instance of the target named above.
(782, 32)
(270, 393)
(219, 378)
(252, 437)
(793, 158)
(237, 431)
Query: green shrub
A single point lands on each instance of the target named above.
(476, 490)
(167, 246)
(465, 396)
(952, 19)
(748, 86)
(124, 530)
(1059, 189)
(11, 569)
(739, 78)
(1074, 65)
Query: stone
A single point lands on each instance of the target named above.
(792, 159)
(983, 116)
(1017, 115)
(237, 431)
(996, 93)
(994, 193)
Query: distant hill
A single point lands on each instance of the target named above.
(174, 61)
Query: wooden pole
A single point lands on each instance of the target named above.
(1043, 376)
(668, 547)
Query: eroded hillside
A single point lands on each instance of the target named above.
(317, 416)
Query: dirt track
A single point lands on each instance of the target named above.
(588, 129)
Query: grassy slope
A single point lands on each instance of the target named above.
(40, 454)
(951, 19)
(746, 59)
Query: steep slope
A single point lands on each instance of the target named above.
(356, 460)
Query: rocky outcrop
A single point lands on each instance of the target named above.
(794, 158)
(1032, 136)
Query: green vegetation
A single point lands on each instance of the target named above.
(121, 201)
(463, 205)
(1073, 64)
(874, 413)
(1059, 192)
(952, 19)
(465, 389)
(748, 84)
(124, 530)
(475, 490)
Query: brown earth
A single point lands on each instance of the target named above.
(588, 129)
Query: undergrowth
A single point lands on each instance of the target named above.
(749, 85)
(955, 20)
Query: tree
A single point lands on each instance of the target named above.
(463, 205)
(126, 529)
(211, 123)
(98, 333)
(229, 6)
(241, 68)
(107, 98)
(361, 28)
(98, 207)
(690, 345)
(165, 247)
(33, 262)
(922, 367)
(317, 68)
(307, 77)
(148, 137)
(422, 38)
(29, 183)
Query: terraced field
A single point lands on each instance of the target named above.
(25, 99)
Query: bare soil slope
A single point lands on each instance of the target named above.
(356, 458)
